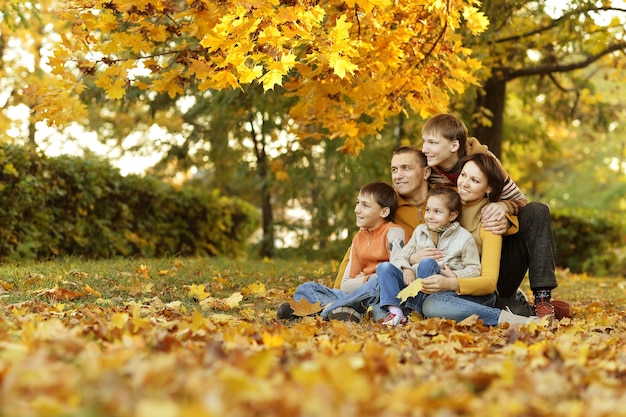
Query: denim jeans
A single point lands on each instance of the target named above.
(314, 292)
(360, 299)
(531, 249)
(392, 281)
(450, 305)
(330, 298)
(447, 304)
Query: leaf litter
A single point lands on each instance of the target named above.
(217, 348)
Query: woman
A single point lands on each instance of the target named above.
(480, 182)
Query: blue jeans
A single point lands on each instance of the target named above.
(360, 299)
(392, 282)
(447, 304)
(314, 292)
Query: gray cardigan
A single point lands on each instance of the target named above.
(460, 250)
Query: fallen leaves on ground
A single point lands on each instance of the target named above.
(230, 356)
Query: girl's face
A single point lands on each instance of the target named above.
(369, 213)
(472, 183)
(437, 213)
(440, 152)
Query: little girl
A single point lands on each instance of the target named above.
(441, 231)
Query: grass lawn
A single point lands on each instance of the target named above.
(199, 337)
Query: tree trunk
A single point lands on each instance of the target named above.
(267, 241)
(492, 99)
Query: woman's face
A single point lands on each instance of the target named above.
(472, 183)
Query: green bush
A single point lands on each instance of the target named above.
(85, 207)
(590, 242)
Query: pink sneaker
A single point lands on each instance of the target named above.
(393, 320)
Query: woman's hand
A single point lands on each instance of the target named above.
(493, 218)
(439, 283)
(433, 253)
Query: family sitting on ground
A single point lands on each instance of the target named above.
(458, 276)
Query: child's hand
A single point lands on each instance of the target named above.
(408, 275)
(432, 253)
(447, 272)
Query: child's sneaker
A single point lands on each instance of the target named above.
(345, 313)
(393, 320)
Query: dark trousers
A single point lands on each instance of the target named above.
(531, 250)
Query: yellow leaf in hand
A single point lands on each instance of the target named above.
(410, 290)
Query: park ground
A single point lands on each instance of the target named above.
(199, 337)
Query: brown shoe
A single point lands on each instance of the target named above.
(562, 309)
(544, 308)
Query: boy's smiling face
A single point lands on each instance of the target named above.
(369, 213)
(440, 152)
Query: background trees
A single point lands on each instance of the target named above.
(295, 104)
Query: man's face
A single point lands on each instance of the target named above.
(440, 151)
(407, 174)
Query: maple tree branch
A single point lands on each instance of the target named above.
(556, 22)
(439, 38)
(358, 21)
(550, 69)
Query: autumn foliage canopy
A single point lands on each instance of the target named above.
(349, 64)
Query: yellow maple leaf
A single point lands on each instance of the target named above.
(304, 308)
(222, 80)
(88, 290)
(233, 300)
(476, 21)
(272, 340)
(258, 288)
(341, 65)
(197, 321)
(198, 292)
(410, 290)
(119, 320)
(271, 78)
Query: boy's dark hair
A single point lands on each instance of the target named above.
(450, 127)
(413, 149)
(384, 194)
(492, 169)
(451, 199)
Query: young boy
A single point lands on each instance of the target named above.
(377, 240)
(442, 231)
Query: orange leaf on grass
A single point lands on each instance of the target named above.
(305, 308)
